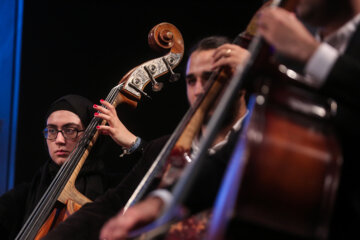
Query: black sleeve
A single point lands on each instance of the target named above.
(342, 84)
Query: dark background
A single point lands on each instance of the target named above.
(86, 47)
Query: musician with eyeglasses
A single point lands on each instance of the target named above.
(66, 121)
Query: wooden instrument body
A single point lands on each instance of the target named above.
(58, 215)
(293, 159)
(293, 162)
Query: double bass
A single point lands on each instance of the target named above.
(165, 37)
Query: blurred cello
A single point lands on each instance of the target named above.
(46, 215)
(283, 176)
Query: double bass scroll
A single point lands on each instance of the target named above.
(163, 37)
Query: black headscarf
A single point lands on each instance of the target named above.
(83, 108)
(79, 105)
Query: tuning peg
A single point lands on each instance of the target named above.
(174, 76)
(139, 90)
(157, 86)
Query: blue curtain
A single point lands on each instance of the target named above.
(11, 13)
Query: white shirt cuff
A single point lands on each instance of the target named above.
(164, 195)
(320, 64)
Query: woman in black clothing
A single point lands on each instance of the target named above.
(66, 120)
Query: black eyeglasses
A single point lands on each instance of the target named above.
(68, 133)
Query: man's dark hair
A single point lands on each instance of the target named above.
(208, 43)
(211, 42)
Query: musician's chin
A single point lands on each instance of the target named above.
(59, 160)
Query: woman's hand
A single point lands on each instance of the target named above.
(115, 128)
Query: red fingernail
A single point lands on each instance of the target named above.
(96, 113)
(98, 127)
(101, 100)
(95, 105)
